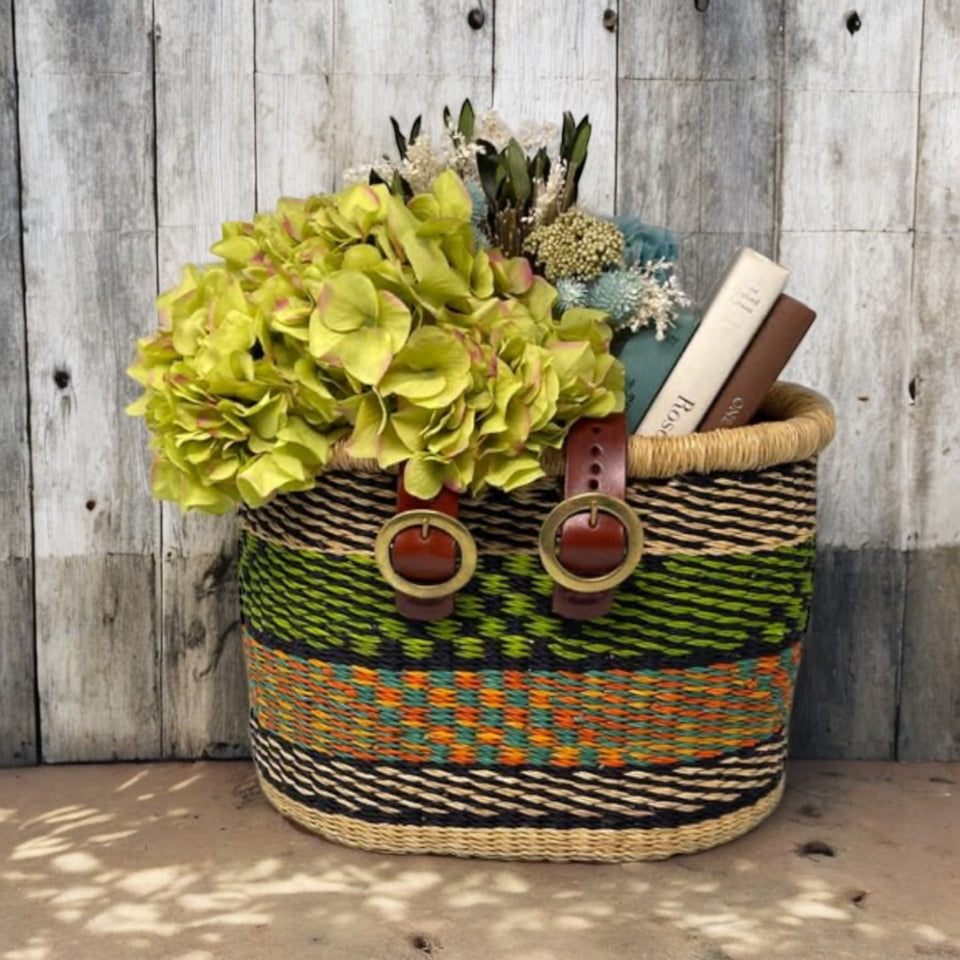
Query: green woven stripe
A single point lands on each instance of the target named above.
(673, 607)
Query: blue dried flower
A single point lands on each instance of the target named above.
(618, 293)
(644, 243)
(571, 293)
(479, 214)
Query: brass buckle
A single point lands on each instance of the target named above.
(594, 503)
(425, 519)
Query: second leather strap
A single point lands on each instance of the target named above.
(592, 545)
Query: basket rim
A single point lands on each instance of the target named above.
(799, 423)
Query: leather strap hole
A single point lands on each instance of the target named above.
(596, 468)
(596, 428)
(593, 483)
(596, 450)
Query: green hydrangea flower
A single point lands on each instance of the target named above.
(365, 317)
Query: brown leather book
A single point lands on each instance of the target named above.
(761, 363)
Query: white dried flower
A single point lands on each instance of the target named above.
(646, 295)
(421, 166)
(361, 172)
(490, 126)
(547, 194)
(533, 136)
(660, 300)
(460, 154)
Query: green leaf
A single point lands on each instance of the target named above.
(363, 257)
(540, 298)
(566, 138)
(515, 162)
(488, 168)
(311, 445)
(432, 370)
(265, 418)
(466, 121)
(400, 139)
(411, 423)
(508, 472)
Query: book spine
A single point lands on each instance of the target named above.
(768, 353)
(734, 311)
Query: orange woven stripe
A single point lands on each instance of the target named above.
(517, 717)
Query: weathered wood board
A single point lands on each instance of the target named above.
(846, 212)
(698, 102)
(86, 125)
(295, 133)
(846, 694)
(205, 175)
(130, 130)
(930, 689)
(401, 60)
(929, 726)
(547, 61)
(18, 735)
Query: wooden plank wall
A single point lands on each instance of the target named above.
(18, 734)
(90, 262)
(205, 174)
(849, 146)
(130, 129)
(930, 682)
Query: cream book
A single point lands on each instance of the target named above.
(732, 314)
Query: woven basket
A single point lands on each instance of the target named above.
(505, 731)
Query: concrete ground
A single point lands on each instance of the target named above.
(188, 862)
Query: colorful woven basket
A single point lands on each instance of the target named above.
(505, 731)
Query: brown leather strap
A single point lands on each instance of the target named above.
(425, 559)
(596, 453)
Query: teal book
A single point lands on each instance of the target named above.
(648, 362)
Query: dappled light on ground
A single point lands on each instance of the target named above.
(188, 862)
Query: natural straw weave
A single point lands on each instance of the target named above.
(505, 731)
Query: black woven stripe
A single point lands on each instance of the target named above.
(341, 631)
(389, 793)
(554, 798)
(681, 525)
(511, 522)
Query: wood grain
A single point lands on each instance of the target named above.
(929, 726)
(938, 195)
(698, 114)
(930, 704)
(205, 175)
(563, 58)
(18, 735)
(847, 690)
(770, 124)
(846, 215)
(859, 283)
(295, 129)
(403, 59)
(86, 98)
